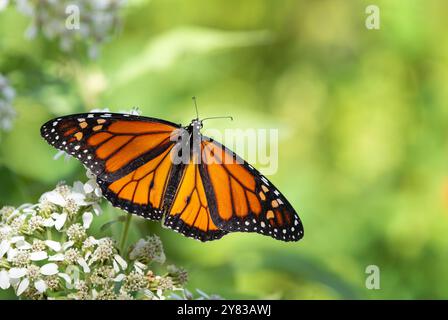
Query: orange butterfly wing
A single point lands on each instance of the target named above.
(189, 212)
(129, 154)
(241, 199)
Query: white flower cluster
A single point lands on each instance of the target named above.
(7, 112)
(93, 21)
(48, 252)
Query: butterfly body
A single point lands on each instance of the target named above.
(161, 170)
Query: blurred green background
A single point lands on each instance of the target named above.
(361, 113)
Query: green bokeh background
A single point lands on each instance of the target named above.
(361, 113)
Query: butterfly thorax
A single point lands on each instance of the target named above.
(195, 126)
(195, 136)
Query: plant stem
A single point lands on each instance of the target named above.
(124, 235)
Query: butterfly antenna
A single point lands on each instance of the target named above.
(224, 117)
(196, 107)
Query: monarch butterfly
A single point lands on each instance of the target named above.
(158, 169)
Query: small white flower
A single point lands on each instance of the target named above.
(49, 269)
(76, 195)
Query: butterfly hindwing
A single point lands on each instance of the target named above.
(141, 191)
(189, 211)
(242, 199)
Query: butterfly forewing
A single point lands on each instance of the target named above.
(129, 154)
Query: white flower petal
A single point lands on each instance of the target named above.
(49, 269)
(56, 246)
(23, 245)
(115, 265)
(89, 186)
(14, 282)
(38, 256)
(88, 254)
(11, 254)
(73, 272)
(29, 211)
(98, 192)
(55, 197)
(23, 286)
(60, 221)
(78, 187)
(138, 270)
(123, 264)
(87, 219)
(4, 247)
(119, 278)
(89, 174)
(40, 285)
(96, 209)
(78, 198)
(139, 265)
(56, 257)
(66, 277)
(48, 222)
(17, 273)
(17, 238)
(4, 280)
(84, 265)
(67, 245)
